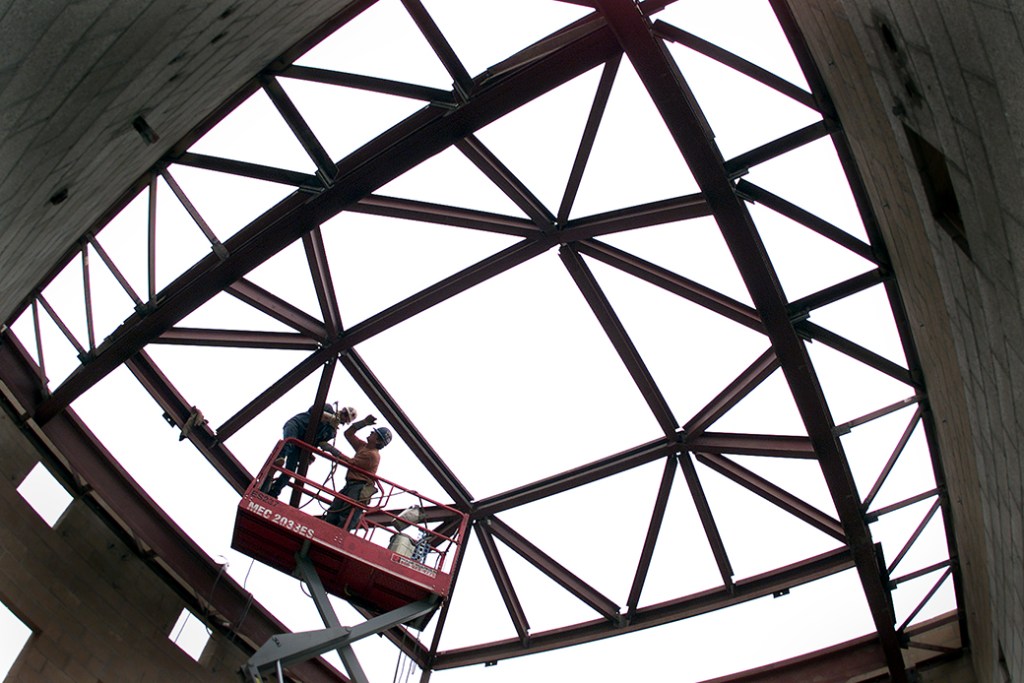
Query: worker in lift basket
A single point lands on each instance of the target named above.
(296, 428)
(358, 486)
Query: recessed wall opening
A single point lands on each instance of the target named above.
(15, 636)
(190, 634)
(938, 187)
(45, 494)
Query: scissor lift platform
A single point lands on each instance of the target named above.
(358, 565)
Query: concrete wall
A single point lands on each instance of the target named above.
(98, 613)
(73, 77)
(950, 72)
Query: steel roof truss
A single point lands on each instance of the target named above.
(246, 169)
(278, 309)
(677, 284)
(857, 352)
(412, 437)
(379, 85)
(891, 462)
(320, 269)
(735, 62)
(425, 212)
(461, 79)
(239, 339)
(924, 601)
(506, 181)
(575, 478)
(286, 383)
(617, 334)
(741, 165)
(586, 146)
(503, 582)
(653, 532)
(707, 519)
(768, 583)
(748, 380)
(325, 167)
(678, 108)
(184, 415)
(805, 218)
(774, 494)
(554, 571)
(639, 216)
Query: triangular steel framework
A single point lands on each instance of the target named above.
(614, 30)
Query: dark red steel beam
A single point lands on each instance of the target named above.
(893, 457)
(303, 133)
(87, 292)
(853, 660)
(243, 339)
(553, 570)
(190, 208)
(461, 79)
(230, 608)
(411, 436)
(855, 351)
(503, 582)
(619, 338)
(445, 289)
(774, 494)
(506, 181)
(680, 111)
(651, 540)
(640, 216)
(707, 519)
(741, 165)
(733, 61)
(82, 353)
(769, 445)
(677, 284)
(593, 471)
(757, 372)
(380, 85)
(806, 219)
(282, 386)
(874, 515)
(858, 283)
(409, 209)
(586, 146)
(320, 270)
(278, 309)
(404, 146)
(915, 535)
(247, 169)
(180, 411)
(768, 583)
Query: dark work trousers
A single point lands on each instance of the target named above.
(340, 507)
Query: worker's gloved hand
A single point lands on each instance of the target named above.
(370, 420)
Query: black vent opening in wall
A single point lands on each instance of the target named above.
(938, 187)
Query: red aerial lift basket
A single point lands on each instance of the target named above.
(396, 554)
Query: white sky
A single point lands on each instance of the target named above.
(514, 380)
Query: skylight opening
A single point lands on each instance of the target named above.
(45, 494)
(16, 636)
(190, 634)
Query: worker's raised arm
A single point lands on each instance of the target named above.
(329, 447)
(350, 433)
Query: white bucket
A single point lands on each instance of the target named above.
(402, 544)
